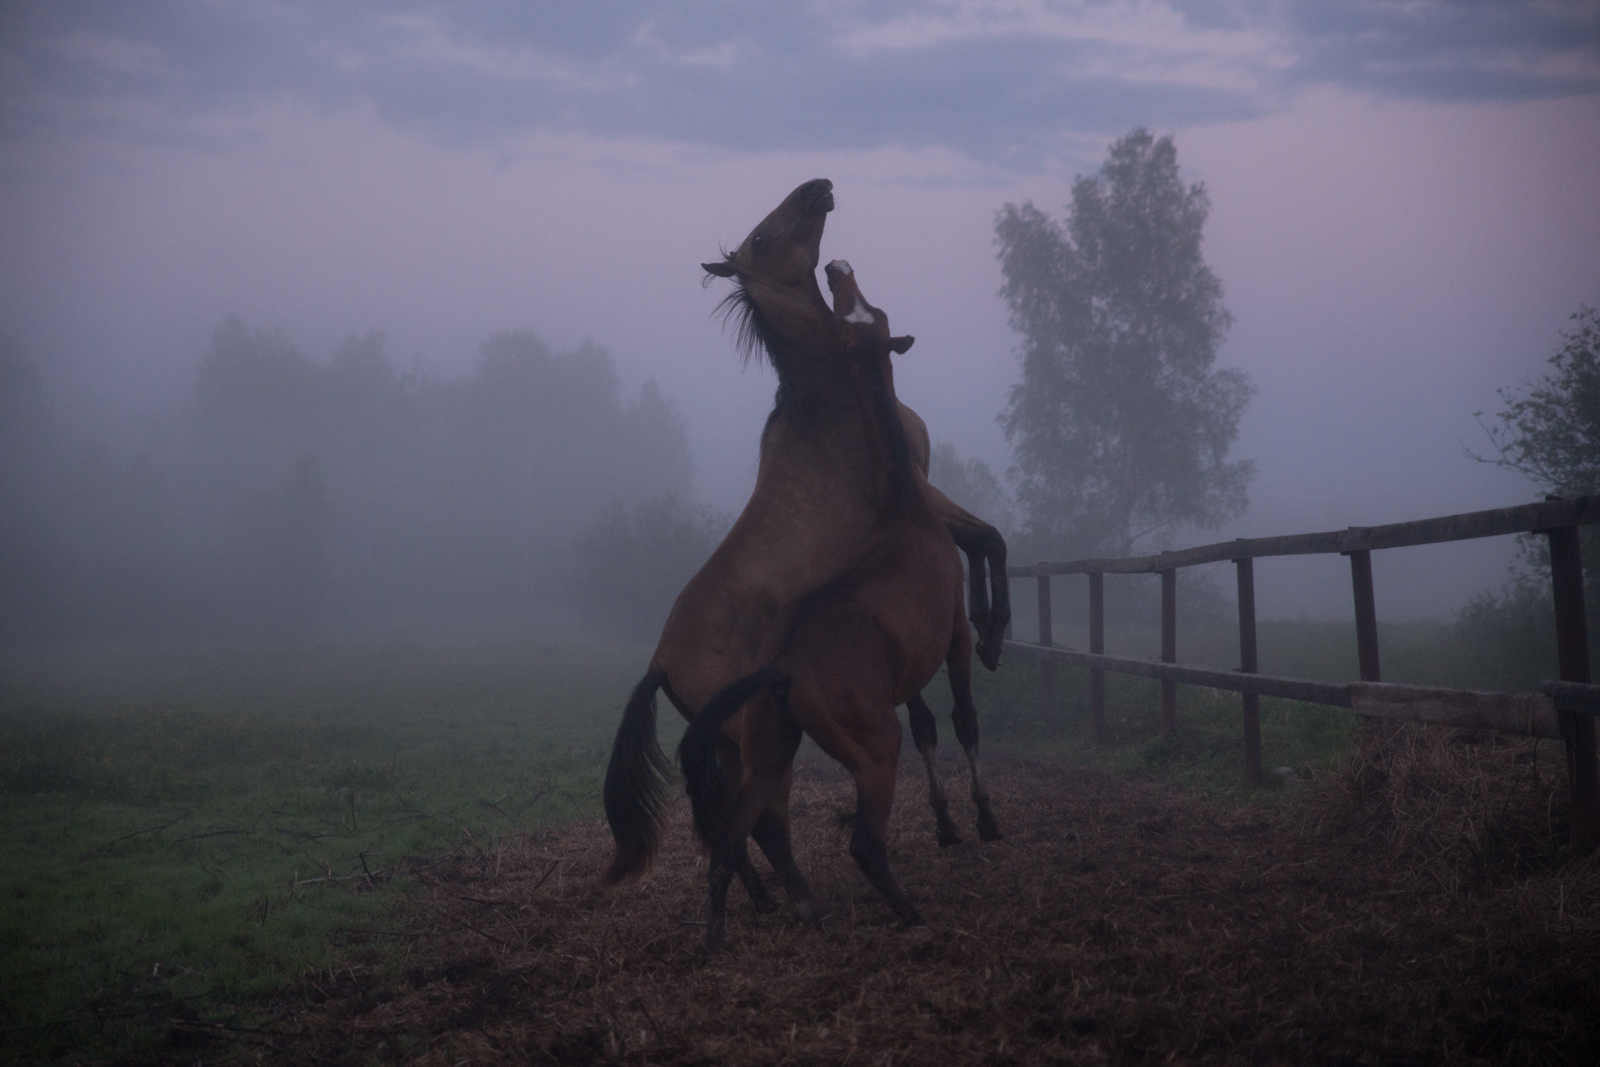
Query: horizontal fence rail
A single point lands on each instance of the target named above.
(1525, 518)
(1524, 714)
(1260, 684)
(1562, 709)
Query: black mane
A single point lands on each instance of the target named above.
(752, 337)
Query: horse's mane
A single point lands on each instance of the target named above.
(752, 336)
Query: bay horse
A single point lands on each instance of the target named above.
(837, 662)
(814, 502)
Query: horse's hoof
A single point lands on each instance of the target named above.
(948, 838)
(989, 830)
(764, 904)
(913, 920)
(806, 909)
(989, 654)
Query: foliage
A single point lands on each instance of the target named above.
(631, 564)
(1506, 640)
(1549, 432)
(1120, 423)
(972, 485)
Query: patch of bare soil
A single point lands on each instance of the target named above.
(1415, 907)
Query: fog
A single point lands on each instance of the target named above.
(294, 498)
(367, 325)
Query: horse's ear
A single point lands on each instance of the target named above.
(902, 345)
(722, 268)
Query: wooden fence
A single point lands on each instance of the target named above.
(1564, 709)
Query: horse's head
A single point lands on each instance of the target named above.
(777, 303)
(863, 328)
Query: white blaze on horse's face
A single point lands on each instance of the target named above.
(861, 313)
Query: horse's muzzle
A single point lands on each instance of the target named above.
(816, 196)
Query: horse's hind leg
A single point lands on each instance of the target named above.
(770, 740)
(749, 805)
(874, 799)
(925, 735)
(965, 714)
(771, 831)
(732, 770)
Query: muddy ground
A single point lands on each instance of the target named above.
(1411, 908)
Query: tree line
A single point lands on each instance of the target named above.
(292, 499)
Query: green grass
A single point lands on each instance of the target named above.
(188, 836)
(185, 836)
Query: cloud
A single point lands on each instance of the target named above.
(1465, 50)
(997, 80)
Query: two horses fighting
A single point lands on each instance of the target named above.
(834, 598)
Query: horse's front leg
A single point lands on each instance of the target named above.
(989, 604)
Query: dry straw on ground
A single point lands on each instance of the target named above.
(1414, 907)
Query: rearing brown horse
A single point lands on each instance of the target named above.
(814, 502)
(839, 660)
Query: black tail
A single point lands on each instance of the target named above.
(636, 784)
(698, 759)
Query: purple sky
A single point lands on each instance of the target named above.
(1406, 206)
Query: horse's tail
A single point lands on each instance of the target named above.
(698, 758)
(636, 784)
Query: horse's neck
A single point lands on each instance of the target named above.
(888, 449)
(812, 384)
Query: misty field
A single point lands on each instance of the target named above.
(181, 834)
(192, 842)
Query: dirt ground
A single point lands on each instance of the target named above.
(1367, 920)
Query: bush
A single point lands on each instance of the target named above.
(1505, 640)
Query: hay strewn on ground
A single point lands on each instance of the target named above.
(1413, 908)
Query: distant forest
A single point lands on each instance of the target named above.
(298, 500)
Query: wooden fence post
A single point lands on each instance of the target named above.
(1366, 615)
(1097, 646)
(1009, 621)
(1572, 649)
(1247, 665)
(1169, 648)
(1047, 671)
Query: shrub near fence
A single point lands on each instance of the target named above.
(1564, 708)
